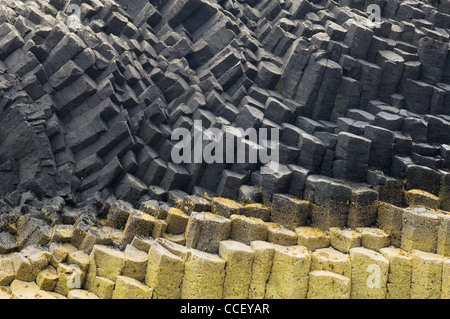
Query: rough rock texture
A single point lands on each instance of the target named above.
(89, 107)
(360, 116)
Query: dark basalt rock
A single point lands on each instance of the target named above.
(89, 113)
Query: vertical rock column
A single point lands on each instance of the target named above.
(369, 274)
(420, 229)
(382, 147)
(289, 277)
(261, 268)
(445, 291)
(443, 240)
(328, 285)
(204, 276)
(165, 273)
(238, 271)
(426, 280)
(105, 266)
(400, 269)
(352, 157)
(392, 65)
(432, 55)
(318, 88)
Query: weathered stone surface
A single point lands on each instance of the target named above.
(205, 231)
(312, 238)
(420, 228)
(417, 197)
(261, 268)
(22, 267)
(86, 123)
(289, 277)
(445, 279)
(239, 260)
(47, 279)
(225, 207)
(280, 235)
(369, 274)
(443, 244)
(289, 211)
(69, 277)
(165, 273)
(363, 208)
(247, 229)
(138, 223)
(321, 281)
(102, 287)
(390, 219)
(373, 238)
(257, 211)
(135, 263)
(7, 273)
(81, 294)
(176, 221)
(109, 262)
(7, 243)
(400, 270)
(344, 239)
(24, 290)
(204, 276)
(129, 288)
(426, 279)
(432, 55)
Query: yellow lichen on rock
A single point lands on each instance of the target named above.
(289, 276)
(312, 238)
(238, 271)
(257, 210)
(332, 260)
(79, 258)
(7, 273)
(138, 223)
(280, 235)
(159, 228)
(369, 274)
(373, 238)
(400, 270)
(129, 288)
(47, 279)
(261, 268)
(247, 229)
(102, 287)
(226, 207)
(22, 267)
(344, 239)
(328, 285)
(23, 290)
(204, 276)
(135, 263)
(443, 240)
(417, 197)
(109, 262)
(81, 294)
(445, 290)
(176, 221)
(390, 219)
(426, 279)
(165, 273)
(420, 229)
(69, 277)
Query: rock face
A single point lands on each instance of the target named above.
(88, 103)
(94, 93)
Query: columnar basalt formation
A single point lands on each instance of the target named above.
(93, 205)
